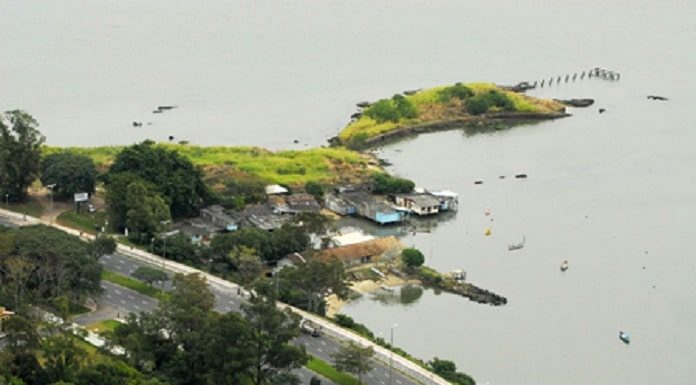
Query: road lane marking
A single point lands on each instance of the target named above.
(323, 343)
(144, 302)
(137, 307)
(123, 302)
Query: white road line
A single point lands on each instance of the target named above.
(108, 296)
(319, 350)
(117, 292)
(131, 297)
(144, 302)
(323, 343)
(121, 261)
(137, 306)
(398, 381)
(123, 302)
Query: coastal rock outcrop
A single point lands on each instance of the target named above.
(576, 102)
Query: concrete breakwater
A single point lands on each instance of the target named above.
(484, 120)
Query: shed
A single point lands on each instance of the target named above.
(275, 189)
(420, 204)
(358, 253)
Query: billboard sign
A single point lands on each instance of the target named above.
(81, 197)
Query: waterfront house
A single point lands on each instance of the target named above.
(196, 233)
(298, 203)
(449, 200)
(363, 204)
(349, 237)
(275, 189)
(216, 215)
(339, 205)
(419, 204)
(262, 216)
(359, 253)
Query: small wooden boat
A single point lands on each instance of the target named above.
(478, 181)
(517, 246)
(487, 211)
(623, 336)
(564, 265)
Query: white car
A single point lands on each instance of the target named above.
(91, 208)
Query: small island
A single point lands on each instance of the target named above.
(442, 108)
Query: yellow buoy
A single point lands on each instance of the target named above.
(488, 231)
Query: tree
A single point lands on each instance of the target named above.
(315, 189)
(383, 111)
(448, 370)
(247, 264)
(387, 184)
(173, 175)
(20, 150)
(148, 274)
(71, 173)
(21, 335)
(412, 257)
(117, 197)
(271, 332)
(404, 107)
(354, 358)
(146, 211)
(102, 245)
(457, 91)
(314, 381)
(63, 358)
(316, 279)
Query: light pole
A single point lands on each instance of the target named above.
(164, 251)
(51, 187)
(7, 201)
(391, 351)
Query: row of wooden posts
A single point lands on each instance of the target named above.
(595, 72)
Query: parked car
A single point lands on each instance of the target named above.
(308, 328)
(91, 208)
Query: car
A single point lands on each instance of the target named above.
(308, 328)
(91, 208)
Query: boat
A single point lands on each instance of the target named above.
(517, 246)
(487, 211)
(623, 336)
(478, 181)
(488, 231)
(564, 265)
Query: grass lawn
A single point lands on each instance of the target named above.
(133, 284)
(83, 221)
(104, 327)
(290, 167)
(32, 208)
(325, 369)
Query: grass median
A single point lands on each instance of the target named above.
(133, 284)
(322, 367)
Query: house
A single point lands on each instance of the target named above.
(216, 215)
(449, 201)
(4, 315)
(302, 202)
(359, 253)
(262, 216)
(197, 234)
(350, 237)
(289, 260)
(363, 204)
(419, 204)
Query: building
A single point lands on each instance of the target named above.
(350, 237)
(4, 315)
(216, 215)
(363, 204)
(196, 234)
(262, 216)
(275, 189)
(299, 203)
(449, 201)
(419, 204)
(359, 253)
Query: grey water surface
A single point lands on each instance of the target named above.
(613, 193)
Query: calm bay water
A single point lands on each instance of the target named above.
(611, 193)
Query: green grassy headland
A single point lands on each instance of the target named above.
(440, 104)
(323, 165)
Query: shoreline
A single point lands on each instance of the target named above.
(366, 286)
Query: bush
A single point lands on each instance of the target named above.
(315, 189)
(412, 257)
(386, 110)
(482, 103)
(387, 184)
(458, 91)
(348, 322)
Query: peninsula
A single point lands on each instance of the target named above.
(441, 108)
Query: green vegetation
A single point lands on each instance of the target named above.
(20, 149)
(438, 104)
(412, 257)
(29, 207)
(133, 284)
(87, 222)
(324, 165)
(104, 327)
(69, 173)
(448, 370)
(387, 184)
(354, 358)
(322, 367)
(149, 274)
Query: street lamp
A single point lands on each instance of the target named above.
(7, 201)
(164, 251)
(391, 351)
(51, 187)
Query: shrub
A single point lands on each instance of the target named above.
(315, 189)
(383, 111)
(387, 184)
(458, 91)
(412, 257)
(404, 107)
(483, 102)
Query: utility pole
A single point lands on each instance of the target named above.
(391, 351)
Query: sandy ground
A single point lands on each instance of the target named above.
(334, 304)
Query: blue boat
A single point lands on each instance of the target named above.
(623, 336)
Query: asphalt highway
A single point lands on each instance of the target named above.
(128, 301)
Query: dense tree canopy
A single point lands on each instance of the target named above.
(354, 358)
(71, 173)
(270, 246)
(20, 150)
(147, 210)
(412, 257)
(387, 184)
(39, 264)
(174, 176)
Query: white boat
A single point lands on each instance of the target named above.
(517, 246)
(623, 336)
(564, 265)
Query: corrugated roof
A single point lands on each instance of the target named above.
(358, 250)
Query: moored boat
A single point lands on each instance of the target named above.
(564, 265)
(623, 336)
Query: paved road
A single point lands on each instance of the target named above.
(226, 301)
